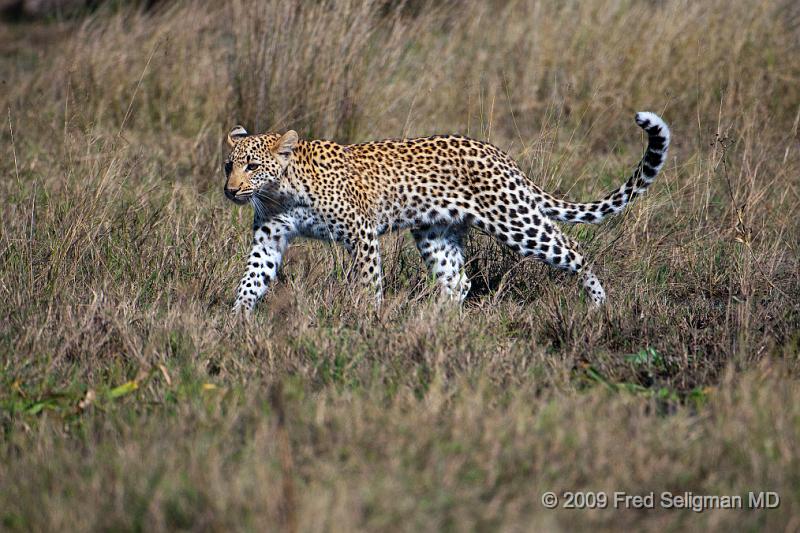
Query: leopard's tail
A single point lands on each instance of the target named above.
(640, 179)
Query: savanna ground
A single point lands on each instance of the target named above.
(130, 399)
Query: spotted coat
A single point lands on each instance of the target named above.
(438, 187)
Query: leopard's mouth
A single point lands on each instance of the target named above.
(239, 198)
(242, 198)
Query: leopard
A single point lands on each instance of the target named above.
(438, 187)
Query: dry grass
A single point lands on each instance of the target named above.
(129, 399)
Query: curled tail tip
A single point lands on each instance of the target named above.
(652, 124)
(658, 138)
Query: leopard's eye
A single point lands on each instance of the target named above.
(252, 166)
(228, 168)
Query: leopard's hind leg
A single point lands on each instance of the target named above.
(533, 234)
(442, 249)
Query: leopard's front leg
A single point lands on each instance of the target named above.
(270, 239)
(365, 249)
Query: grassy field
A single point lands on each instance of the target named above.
(130, 399)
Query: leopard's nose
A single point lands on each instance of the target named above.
(231, 193)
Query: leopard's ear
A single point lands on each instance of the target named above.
(236, 134)
(283, 147)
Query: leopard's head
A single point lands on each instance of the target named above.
(256, 162)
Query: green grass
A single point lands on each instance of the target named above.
(130, 398)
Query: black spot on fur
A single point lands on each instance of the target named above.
(656, 142)
(649, 171)
(653, 159)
